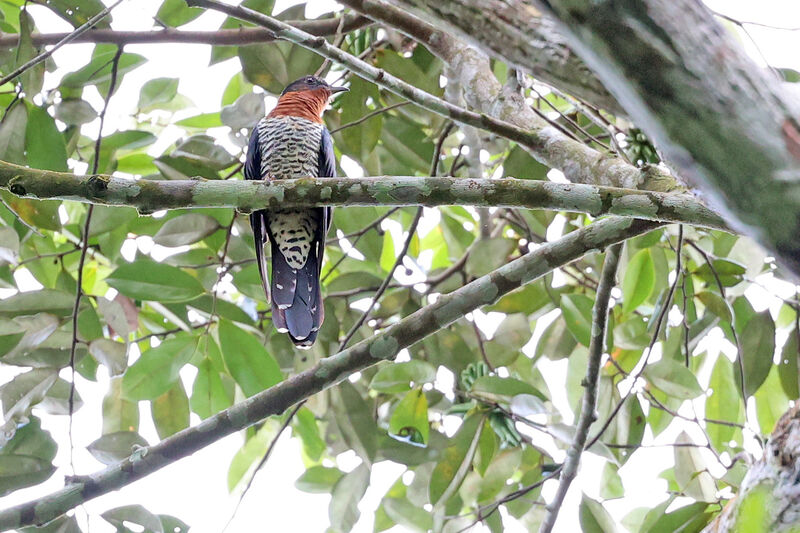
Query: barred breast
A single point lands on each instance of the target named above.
(290, 149)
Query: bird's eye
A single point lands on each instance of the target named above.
(309, 80)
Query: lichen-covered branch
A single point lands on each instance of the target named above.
(484, 93)
(329, 371)
(153, 195)
(589, 403)
(542, 49)
(543, 141)
(225, 37)
(726, 125)
(768, 496)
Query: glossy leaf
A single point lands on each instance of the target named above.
(253, 368)
(156, 371)
(148, 280)
(409, 421)
(639, 280)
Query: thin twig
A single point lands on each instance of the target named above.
(69, 37)
(84, 249)
(263, 461)
(412, 229)
(587, 417)
(370, 115)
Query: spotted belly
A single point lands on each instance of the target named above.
(293, 231)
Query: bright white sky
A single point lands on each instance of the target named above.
(194, 489)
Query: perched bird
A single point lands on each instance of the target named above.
(292, 142)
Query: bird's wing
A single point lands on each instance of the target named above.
(258, 219)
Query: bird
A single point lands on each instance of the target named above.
(293, 142)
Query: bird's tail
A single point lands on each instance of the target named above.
(296, 297)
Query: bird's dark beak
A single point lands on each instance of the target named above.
(335, 90)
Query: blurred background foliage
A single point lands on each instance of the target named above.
(470, 411)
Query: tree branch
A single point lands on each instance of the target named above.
(66, 38)
(542, 140)
(543, 45)
(329, 371)
(587, 417)
(225, 37)
(728, 126)
(153, 195)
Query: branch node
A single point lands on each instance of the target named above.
(97, 185)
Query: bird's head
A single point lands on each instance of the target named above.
(312, 83)
(306, 97)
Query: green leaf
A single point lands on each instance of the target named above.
(12, 144)
(724, 403)
(488, 254)
(511, 335)
(611, 483)
(318, 479)
(33, 77)
(355, 420)
(44, 144)
(788, 368)
(689, 518)
(556, 342)
(253, 368)
(31, 302)
(399, 377)
(201, 121)
(673, 378)
(75, 112)
(501, 469)
(409, 421)
(387, 253)
(32, 441)
(19, 471)
(771, 403)
(639, 280)
(756, 348)
(716, 304)
(343, 509)
(114, 447)
(119, 414)
(519, 164)
(158, 91)
(204, 151)
(495, 388)
(690, 471)
(244, 113)
(98, 70)
(156, 370)
(449, 472)
(186, 229)
(25, 391)
(408, 515)
(135, 514)
(594, 518)
(250, 454)
(111, 354)
(577, 312)
(148, 280)
(729, 272)
(171, 411)
(78, 12)
(305, 426)
(209, 394)
(10, 335)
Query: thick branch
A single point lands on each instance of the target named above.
(768, 496)
(483, 92)
(153, 195)
(544, 141)
(599, 320)
(725, 124)
(329, 371)
(229, 37)
(539, 49)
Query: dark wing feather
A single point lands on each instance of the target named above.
(258, 219)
